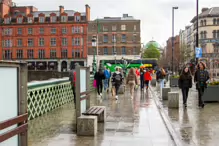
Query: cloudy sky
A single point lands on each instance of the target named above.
(155, 15)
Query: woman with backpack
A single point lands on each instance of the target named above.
(185, 82)
(132, 81)
(117, 81)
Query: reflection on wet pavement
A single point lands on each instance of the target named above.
(129, 122)
(196, 127)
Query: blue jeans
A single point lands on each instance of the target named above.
(105, 84)
(161, 83)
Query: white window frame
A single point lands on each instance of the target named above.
(53, 19)
(77, 18)
(64, 18)
(29, 19)
(7, 20)
(114, 28)
(19, 20)
(123, 27)
(41, 19)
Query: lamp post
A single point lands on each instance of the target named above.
(115, 57)
(94, 45)
(173, 8)
(196, 44)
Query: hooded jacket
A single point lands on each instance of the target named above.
(117, 78)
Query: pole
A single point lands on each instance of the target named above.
(172, 36)
(197, 41)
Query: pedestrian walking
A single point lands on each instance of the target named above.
(185, 82)
(201, 79)
(160, 76)
(117, 81)
(107, 77)
(132, 81)
(99, 77)
(147, 78)
(72, 79)
(142, 77)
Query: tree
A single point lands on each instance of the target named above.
(185, 54)
(151, 52)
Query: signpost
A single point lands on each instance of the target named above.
(198, 52)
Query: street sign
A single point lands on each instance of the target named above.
(198, 52)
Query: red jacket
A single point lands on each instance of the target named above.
(147, 76)
(137, 72)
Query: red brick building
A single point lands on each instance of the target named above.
(176, 53)
(45, 39)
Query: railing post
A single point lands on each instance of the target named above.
(88, 86)
(77, 90)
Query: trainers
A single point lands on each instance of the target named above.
(101, 94)
(131, 97)
(116, 97)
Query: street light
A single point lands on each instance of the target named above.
(197, 1)
(94, 45)
(115, 57)
(173, 8)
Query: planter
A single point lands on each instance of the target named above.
(211, 94)
(174, 82)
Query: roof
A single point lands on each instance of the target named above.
(154, 43)
(212, 12)
(47, 13)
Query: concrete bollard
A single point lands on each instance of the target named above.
(165, 92)
(153, 82)
(87, 126)
(173, 100)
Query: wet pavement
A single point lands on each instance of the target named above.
(129, 122)
(194, 126)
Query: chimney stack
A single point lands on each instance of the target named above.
(87, 7)
(61, 9)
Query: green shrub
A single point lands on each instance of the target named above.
(215, 83)
(175, 76)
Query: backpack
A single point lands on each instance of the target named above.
(118, 78)
(107, 74)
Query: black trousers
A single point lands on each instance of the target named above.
(117, 88)
(185, 93)
(201, 91)
(73, 89)
(99, 87)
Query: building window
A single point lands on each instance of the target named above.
(52, 53)
(30, 19)
(123, 38)
(19, 54)
(78, 18)
(114, 50)
(114, 38)
(7, 31)
(64, 53)
(77, 53)
(123, 51)
(53, 30)
(201, 23)
(134, 51)
(105, 38)
(123, 27)
(135, 27)
(134, 38)
(30, 42)
(53, 42)
(53, 19)
(214, 21)
(41, 30)
(41, 42)
(19, 31)
(114, 28)
(82, 41)
(105, 28)
(7, 43)
(76, 29)
(7, 54)
(64, 30)
(64, 42)
(30, 54)
(214, 34)
(7, 20)
(105, 51)
(218, 21)
(75, 41)
(19, 42)
(41, 19)
(20, 20)
(216, 48)
(41, 54)
(205, 22)
(64, 19)
(30, 30)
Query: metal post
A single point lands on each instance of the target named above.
(94, 58)
(197, 41)
(172, 36)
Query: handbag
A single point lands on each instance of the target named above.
(95, 83)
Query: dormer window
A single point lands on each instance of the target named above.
(20, 20)
(7, 20)
(53, 19)
(64, 18)
(29, 19)
(41, 19)
(78, 18)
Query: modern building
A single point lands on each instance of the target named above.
(117, 38)
(47, 40)
(208, 31)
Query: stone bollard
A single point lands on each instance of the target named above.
(173, 100)
(165, 92)
(153, 82)
(87, 126)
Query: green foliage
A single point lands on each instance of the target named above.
(175, 76)
(215, 83)
(151, 52)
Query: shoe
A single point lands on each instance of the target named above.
(202, 106)
(185, 105)
(101, 94)
(116, 97)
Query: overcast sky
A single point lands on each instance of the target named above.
(155, 15)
